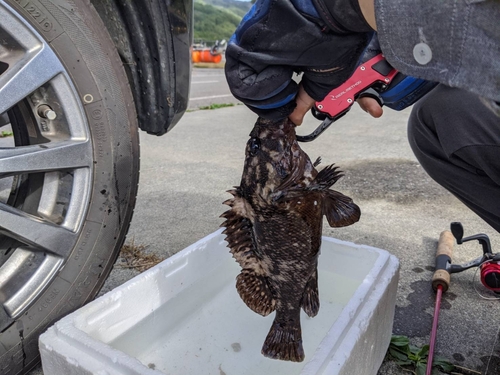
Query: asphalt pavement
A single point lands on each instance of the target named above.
(209, 86)
(184, 176)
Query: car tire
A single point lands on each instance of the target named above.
(67, 211)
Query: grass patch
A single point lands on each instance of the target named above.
(210, 65)
(217, 106)
(135, 257)
(413, 359)
(6, 133)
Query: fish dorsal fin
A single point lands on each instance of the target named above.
(340, 210)
(239, 235)
(251, 283)
(326, 178)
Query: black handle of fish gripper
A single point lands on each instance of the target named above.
(327, 121)
(317, 132)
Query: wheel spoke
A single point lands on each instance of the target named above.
(27, 289)
(34, 69)
(45, 157)
(36, 232)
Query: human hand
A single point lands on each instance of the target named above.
(305, 103)
(370, 106)
(278, 38)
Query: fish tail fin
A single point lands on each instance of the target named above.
(255, 292)
(284, 342)
(310, 298)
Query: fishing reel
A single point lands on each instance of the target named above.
(488, 263)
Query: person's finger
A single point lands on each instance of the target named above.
(371, 106)
(304, 104)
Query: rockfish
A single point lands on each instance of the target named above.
(273, 230)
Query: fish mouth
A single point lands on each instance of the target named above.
(276, 129)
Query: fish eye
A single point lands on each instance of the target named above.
(254, 146)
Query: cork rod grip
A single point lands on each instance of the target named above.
(444, 252)
(445, 244)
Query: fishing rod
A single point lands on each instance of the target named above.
(488, 264)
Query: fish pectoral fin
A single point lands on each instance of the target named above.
(310, 298)
(255, 292)
(284, 341)
(340, 210)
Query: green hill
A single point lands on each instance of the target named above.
(240, 8)
(217, 19)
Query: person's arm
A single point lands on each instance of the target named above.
(368, 9)
(422, 39)
(277, 38)
(456, 43)
(306, 102)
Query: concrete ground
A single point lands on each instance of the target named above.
(184, 176)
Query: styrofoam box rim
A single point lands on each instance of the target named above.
(76, 352)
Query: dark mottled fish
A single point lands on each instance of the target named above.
(273, 230)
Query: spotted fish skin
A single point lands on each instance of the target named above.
(273, 230)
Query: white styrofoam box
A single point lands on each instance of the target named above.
(184, 316)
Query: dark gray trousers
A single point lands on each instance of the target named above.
(456, 139)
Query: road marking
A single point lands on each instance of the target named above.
(194, 83)
(211, 97)
(208, 75)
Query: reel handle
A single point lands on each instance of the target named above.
(443, 261)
